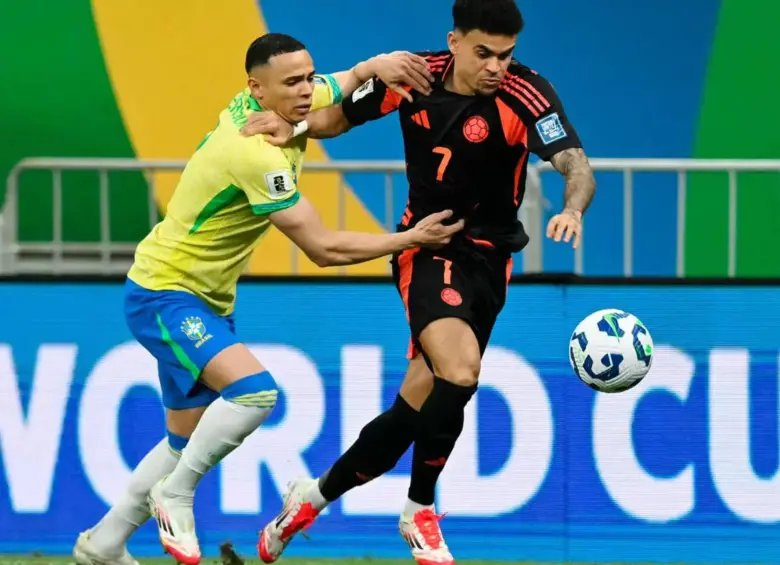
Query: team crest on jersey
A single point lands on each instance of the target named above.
(476, 129)
(194, 328)
(550, 129)
(451, 296)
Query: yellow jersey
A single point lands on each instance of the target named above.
(219, 210)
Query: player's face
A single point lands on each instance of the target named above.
(481, 59)
(285, 85)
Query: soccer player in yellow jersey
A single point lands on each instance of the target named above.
(180, 291)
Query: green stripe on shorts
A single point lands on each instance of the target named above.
(181, 356)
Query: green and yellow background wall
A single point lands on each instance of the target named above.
(146, 78)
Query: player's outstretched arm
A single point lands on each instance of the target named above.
(328, 122)
(303, 225)
(374, 99)
(325, 123)
(580, 188)
(397, 70)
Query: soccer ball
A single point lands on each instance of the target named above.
(611, 351)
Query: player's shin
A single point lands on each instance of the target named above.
(381, 443)
(109, 536)
(241, 409)
(441, 422)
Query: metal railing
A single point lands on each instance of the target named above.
(106, 257)
(630, 167)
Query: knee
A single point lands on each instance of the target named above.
(465, 376)
(258, 390)
(462, 369)
(453, 349)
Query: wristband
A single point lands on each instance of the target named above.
(300, 128)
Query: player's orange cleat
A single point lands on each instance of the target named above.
(297, 515)
(423, 534)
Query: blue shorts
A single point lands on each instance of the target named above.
(183, 333)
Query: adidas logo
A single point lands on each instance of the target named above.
(421, 119)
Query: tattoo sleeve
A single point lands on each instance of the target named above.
(580, 184)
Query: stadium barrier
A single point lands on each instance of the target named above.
(683, 468)
(106, 256)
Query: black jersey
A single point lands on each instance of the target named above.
(470, 153)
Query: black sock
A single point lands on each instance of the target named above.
(381, 443)
(441, 421)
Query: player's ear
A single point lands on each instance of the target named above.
(452, 42)
(255, 88)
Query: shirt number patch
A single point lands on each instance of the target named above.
(279, 184)
(550, 129)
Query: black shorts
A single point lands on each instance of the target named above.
(460, 283)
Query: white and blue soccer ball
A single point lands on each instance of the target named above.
(611, 351)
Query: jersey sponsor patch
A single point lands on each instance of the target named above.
(550, 129)
(279, 184)
(365, 89)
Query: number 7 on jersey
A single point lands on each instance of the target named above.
(445, 160)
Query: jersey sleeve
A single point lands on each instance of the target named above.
(326, 92)
(263, 174)
(371, 101)
(548, 126)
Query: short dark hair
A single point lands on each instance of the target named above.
(494, 17)
(270, 45)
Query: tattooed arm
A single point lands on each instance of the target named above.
(580, 184)
(580, 188)
(552, 137)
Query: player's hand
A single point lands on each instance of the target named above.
(276, 130)
(566, 225)
(401, 68)
(431, 232)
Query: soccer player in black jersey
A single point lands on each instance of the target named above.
(467, 144)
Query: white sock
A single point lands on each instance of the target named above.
(411, 507)
(223, 427)
(112, 532)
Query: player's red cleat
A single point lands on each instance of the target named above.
(423, 534)
(297, 515)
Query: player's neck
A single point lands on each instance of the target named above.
(272, 108)
(256, 105)
(454, 83)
